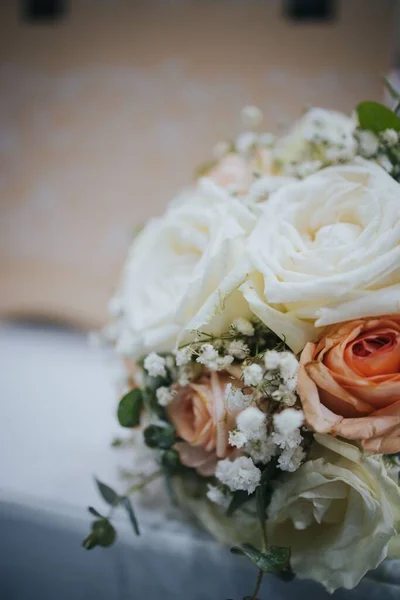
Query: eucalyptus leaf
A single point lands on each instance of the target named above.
(90, 542)
(159, 437)
(238, 499)
(170, 461)
(94, 512)
(104, 532)
(126, 503)
(107, 493)
(130, 408)
(377, 117)
(274, 560)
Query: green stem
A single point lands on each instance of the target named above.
(139, 486)
(397, 107)
(210, 338)
(258, 584)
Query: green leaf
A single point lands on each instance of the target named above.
(130, 408)
(170, 461)
(274, 560)
(90, 541)
(377, 117)
(238, 499)
(159, 437)
(94, 512)
(104, 532)
(108, 494)
(126, 503)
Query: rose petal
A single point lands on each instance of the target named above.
(317, 415)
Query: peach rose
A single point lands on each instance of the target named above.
(349, 383)
(201, 418)
(234, 169)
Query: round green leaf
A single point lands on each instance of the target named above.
(159, 437)
(377, 117)
(170, 460)
(104, 532)
(130, 408)
(90, 542)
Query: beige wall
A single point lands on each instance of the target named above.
(104, 116)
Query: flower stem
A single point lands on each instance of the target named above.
(258, 584)
(139, 486)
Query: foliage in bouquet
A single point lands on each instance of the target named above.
(259, 325)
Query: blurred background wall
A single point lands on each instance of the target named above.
(105, 112)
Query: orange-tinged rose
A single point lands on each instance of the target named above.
(201, 418)
(234, 169)
(349, 383)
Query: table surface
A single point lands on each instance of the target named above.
(57, 418)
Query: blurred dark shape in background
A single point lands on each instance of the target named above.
(43, 10)
(311, 10)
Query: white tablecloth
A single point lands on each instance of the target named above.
(57, 405)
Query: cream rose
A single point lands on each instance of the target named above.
(326, 250)
(339, 513)
(177, 270)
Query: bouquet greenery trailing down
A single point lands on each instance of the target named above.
(258, 322)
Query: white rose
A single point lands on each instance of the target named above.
(177, 271)
(326, 250)
(318, 137)
(339, 513)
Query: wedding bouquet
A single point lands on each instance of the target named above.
(258, 321)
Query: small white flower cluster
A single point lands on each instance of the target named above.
(238, 474)
(180, 367)
(320, 138)
(210, 358)
(183, 356)
(252, 375)
(251, 422)
(220, 354)
(155, 365)
(277, 378)
(252, 139)
(282, 368)
(383, 147)
(238, 349)
(243, 326)
(219, 496)
(165, 395)
(251, 435)
(235, 399)
(288, 438)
